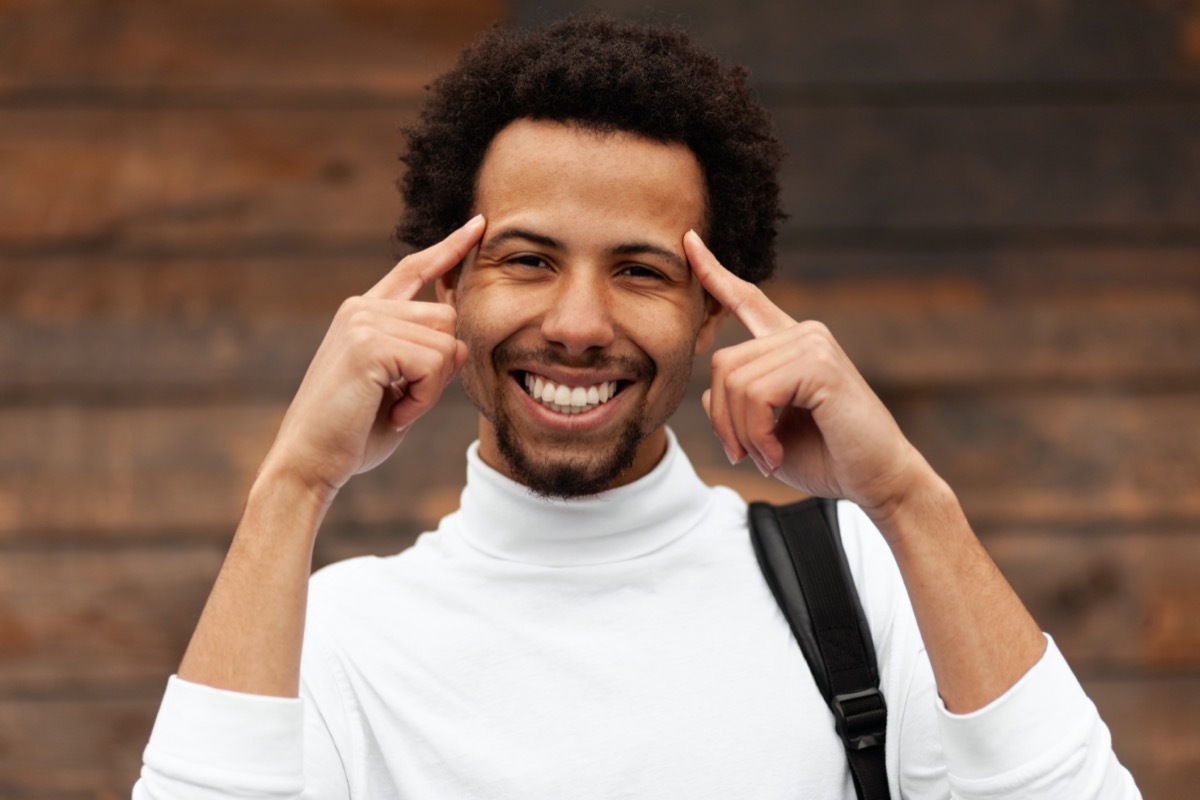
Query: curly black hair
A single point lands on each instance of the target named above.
(604, 75)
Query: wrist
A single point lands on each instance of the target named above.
(926, 498)
(280, 491)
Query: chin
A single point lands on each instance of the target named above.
(563, 478)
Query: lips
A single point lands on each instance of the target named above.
(567, 399)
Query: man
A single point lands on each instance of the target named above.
(592, 621)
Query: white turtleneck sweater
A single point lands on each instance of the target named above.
(622, 646)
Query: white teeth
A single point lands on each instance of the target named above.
(569, 399)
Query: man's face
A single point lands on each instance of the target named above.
(579, 308)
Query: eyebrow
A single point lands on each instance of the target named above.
(625, 249)
(528, 236)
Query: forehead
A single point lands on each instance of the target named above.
(553, 173)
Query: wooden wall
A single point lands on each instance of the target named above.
(996, 206)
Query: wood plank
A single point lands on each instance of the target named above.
(1153, 724)
(961, 333)
(183, 327)
(318, 45)
(192, 181)
(91, 749)
(1002, 262)
(199, 179)
(1112, 599)
(161, 471)
(226, 328)
(90, 622)
(1039, 457)
(1064, 456)
(73, 749)
(933, 41)
(156, 472)
(1053, 167)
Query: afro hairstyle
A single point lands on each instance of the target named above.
(602, 75)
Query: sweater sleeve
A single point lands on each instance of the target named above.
(1043, 738)
(209, 743)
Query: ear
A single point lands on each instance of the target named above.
(714, 315)
(446, 286)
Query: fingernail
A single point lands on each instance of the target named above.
(730, 454)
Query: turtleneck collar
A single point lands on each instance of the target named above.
(503, 519)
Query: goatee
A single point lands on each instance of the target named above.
(557, 480)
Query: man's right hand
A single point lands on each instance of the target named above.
(383, 363)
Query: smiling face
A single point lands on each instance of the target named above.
(579, 309)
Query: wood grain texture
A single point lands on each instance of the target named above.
(199, 180)
(928, 41)
(89, 46)
(1077, 457)
(73, 749)
(293, 179)
(93, 623)
(1153, 723)
(1066, 166)
(1115, 599)
(1038, 458)
(160, 472)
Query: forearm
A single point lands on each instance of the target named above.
(979, 636)
(250, 633)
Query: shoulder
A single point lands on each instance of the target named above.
(353, 584)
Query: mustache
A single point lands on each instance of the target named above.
(504, 356)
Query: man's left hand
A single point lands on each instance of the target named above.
(791, 400)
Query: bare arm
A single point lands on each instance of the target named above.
(384, 362)
(792, 401)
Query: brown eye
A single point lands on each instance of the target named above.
(639, 271)
(528, 260)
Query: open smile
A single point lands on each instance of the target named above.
(564, 398)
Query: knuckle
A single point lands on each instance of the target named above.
(738, 381)
(814, 329)
(719, 360)
(351, 305)
(448, 347)
(360, 333)
(443, 318)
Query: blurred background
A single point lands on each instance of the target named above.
(995, 206)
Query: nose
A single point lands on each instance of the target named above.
(579, 317)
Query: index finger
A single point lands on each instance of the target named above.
(415, 270)
(743, 299)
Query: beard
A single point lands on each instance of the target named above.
(563, 480)
(564, 477)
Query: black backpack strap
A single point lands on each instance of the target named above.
(800, 551)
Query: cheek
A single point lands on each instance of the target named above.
(670, 339)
